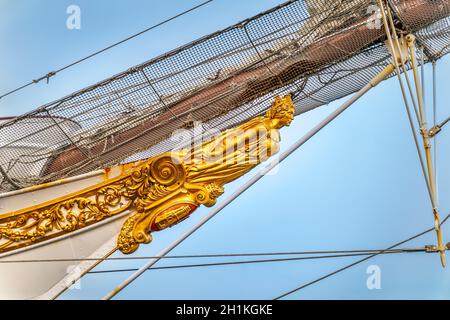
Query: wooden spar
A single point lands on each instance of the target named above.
(252, 83)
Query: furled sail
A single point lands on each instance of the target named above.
(318, 50)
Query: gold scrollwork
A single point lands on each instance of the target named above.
(180, 187)
(161, 192)
(67, 214)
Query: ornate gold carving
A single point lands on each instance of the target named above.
(191, 177)
(23, 228)
(163, 191)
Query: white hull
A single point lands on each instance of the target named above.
(46, 280)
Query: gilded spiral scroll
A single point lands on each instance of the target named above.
(161, 191)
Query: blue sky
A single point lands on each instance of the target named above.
(356, 185)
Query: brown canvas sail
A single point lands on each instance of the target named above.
(225, 78)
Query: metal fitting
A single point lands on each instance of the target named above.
(431, 249)
(434, 131)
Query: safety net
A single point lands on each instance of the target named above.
(318, 50)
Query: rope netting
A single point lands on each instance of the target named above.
(318, 50)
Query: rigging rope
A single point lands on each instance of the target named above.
(220, 255)
(7, 178)
(435, 138)
(242, 262)
(53, 73)
(357, 262)
(422, 65)
(429, 174)
(402, 88)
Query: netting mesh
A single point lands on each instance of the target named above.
(319, 50)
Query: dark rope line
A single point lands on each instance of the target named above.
(8, 179)
(357, 262)
(224, 255)
(237, 262)
(53, 73)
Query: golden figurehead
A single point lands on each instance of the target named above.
(159, 192)
(182, 180)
